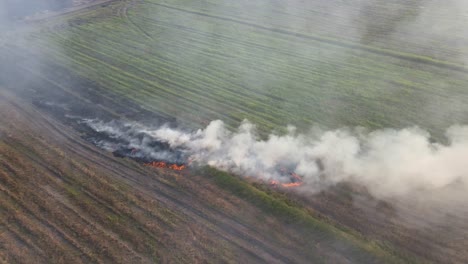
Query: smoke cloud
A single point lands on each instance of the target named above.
(390, 163)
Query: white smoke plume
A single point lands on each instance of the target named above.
(390, 163)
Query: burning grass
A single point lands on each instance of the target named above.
(65, 201)
(166, 165)
(200, 63)
(296, 181)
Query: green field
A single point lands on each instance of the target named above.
(204, 60)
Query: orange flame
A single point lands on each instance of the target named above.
(165, 165)
(297, 182)
(177, 167)
(292, 184)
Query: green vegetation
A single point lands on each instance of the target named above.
(201, 61)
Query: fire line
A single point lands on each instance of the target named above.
(165, 165)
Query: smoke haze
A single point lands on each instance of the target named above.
(390, 163)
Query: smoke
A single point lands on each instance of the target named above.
(132, 140)
(17, 9)
(390, 163)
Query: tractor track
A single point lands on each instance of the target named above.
(122, 12)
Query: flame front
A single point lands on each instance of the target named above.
(292, 184)
(177, 167)
(165, 165)
(296, 182)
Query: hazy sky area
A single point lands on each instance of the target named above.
(16, 9)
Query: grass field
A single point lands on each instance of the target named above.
(203, 61)
(325, 63)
